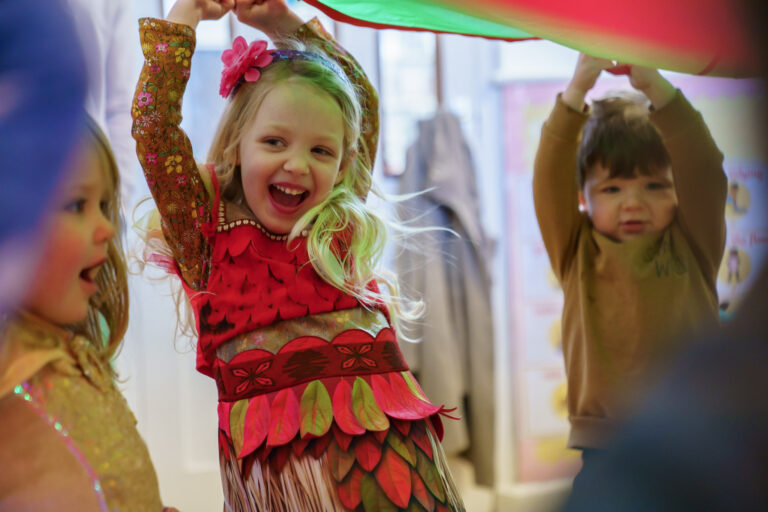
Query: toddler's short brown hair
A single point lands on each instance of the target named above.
(620, 136)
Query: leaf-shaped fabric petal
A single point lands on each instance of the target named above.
(380, 435)
(319, 445)
(394, 477)
(341, 437)
(237, 423)
(284, 418)
(399, 399)
(349, 489)
(367, 452)
(403, 446)
(340, 461)
(224, 410)
(316, 410)
(429, 475)
(404, 427)
(414, 386)
(419, 436)
(342, 409)
(373, 496)
(420, 492)
(365, 407)
(256, 424)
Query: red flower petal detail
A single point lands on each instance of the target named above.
(370, 363)
(239, 372)
(252, 75)
(344, 350)
(365, 348)
(264, 381)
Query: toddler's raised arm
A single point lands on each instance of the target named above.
(555, 190)
(697, 165)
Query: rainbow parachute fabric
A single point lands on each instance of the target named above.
(690, 36)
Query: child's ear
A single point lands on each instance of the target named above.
(582, 202)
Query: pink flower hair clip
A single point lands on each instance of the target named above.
(243, 61)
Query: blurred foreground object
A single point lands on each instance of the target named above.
(42, 88)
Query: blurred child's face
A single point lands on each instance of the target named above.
(625, 208)
(291, 154)
(75, 246)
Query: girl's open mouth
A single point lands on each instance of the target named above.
(89, 274)
(287, 197)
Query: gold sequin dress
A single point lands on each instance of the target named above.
(61, 377)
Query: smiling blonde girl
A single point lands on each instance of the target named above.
(277, 252)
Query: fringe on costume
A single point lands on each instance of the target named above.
(305, 483)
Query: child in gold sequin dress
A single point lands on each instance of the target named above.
(68, 440)
(276, 250)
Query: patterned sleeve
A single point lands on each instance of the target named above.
(163, 148)
(313, 31)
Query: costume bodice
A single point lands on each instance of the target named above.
(255, 282)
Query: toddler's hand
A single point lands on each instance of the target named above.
(650, 82)
(191, 12)
(585, 75)
(273, 17)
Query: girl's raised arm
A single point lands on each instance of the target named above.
(163, 148)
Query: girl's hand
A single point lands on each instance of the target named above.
(191, 12)
(273, 17)
(585, 75)
(650, 82)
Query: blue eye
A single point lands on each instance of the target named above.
(656, 186)
(76, 206)
(610, 190)
(273, 142)
(322, 151)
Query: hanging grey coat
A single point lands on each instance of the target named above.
(454, 360)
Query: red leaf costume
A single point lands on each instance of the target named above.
(310, 381)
